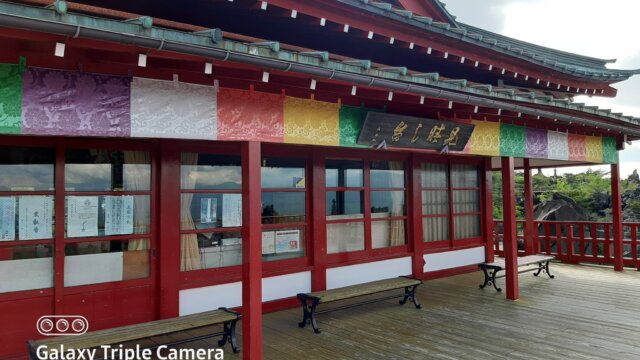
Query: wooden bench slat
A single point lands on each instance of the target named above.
(363, 289)
(139, 331)
(522, 261)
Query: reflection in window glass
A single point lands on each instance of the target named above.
(210, 211)
(283, 207)
(387, 174)
(210, 172)
(26, 267)
(105, 215)
(344, 173)
(106, 261)
(280, 244)
(434, 175)
(107, 170)
(464, 176)
(26, 169)
(280, 173)
(435, 228)
(343, 237)
(345, 203)
(214, 250)
(386, 233)
(467, 226)
(388, 203)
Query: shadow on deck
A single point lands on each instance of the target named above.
(584, 313)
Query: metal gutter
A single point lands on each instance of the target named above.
(201, 45)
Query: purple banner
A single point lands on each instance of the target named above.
(72, 103)
(536, 143)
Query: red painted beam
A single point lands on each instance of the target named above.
(509, 240)
(616, 210)
(251, 252)
(529, 227)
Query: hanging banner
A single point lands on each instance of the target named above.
(35, 217)
(231, 210)
(412, 132)
(82, 216)
(7, 218)
(118, 215)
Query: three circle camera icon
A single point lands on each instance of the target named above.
(51, 325)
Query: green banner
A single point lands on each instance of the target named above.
(513, 141)
(609, 152)
(11, 98)
(351, 121)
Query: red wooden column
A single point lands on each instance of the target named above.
(616, 210)
(251, 252)
(319, 237)
(415, 216)
(530, 245)
(488, 209)
(509, 239)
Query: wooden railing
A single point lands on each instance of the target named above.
(574, 241)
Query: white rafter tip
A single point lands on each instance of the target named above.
(208, 68)
(323, 21)
(294, 14)
(429, 51)
(446, 55)
(475, 110)
(60, 47)
(370, 35)
(263, 5)
(450, 104)
(142, 60)
(390, 97)
(421, 100)
(411, 45)
(354, 89)
(392, 40)
(313, 84)
(265, 76)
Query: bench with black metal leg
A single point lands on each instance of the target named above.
(490, 270)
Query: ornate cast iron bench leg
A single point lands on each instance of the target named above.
(230, 336)
(544, 268)
(308, 312)
(410, 294)
(489, 278)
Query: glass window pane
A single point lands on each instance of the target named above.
(388, 203)
(283, 244)
(208, 211)
(344, 237)
(345, 203)
(210, 172)
(435, 228)
(466, 201)
(435, 202)
(106, 261)
(467, 226)
(434, 175)
(387, 174)
(107, 170)
(464, 176)
(283, 207)
(105, 215)
(26, 169)
(279, 173)
(211, 250)
(26, 267)
(344, 173)
(386, 233)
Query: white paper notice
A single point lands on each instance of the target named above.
(231, 210)
(82, 216)
(208, 210)
(35, 215)
(118, 215)
(287, 241)
(7, 218)
(268, 242)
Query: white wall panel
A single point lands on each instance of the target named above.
(361, 273)
(453, 259)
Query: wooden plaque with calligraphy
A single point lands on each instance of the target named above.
(412, 132)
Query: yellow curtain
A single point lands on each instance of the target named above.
(189, 251)
(140, 181)
(396, 227)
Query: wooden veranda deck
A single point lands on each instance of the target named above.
(586, 312)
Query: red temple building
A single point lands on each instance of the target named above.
(164, 158)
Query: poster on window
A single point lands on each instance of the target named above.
(231, 210)
(82, 216)
(287, 241)
(35, 215)
(209, 211)
(7, 218)
(118, 215)
(268, 242)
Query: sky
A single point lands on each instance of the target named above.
(596, 28)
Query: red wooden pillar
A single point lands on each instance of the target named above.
(251, 252)
(319, 237)
(488, 209)
(509, 239)
(415, 216)
(529, 226)
(616, 210)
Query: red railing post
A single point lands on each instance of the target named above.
(509, 241)
(529, 246)
(569, 242)
(616, 210)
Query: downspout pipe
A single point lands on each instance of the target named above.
(21, 22)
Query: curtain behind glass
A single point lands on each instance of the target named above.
(396, 227)
(189, 251)
(137, 182)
